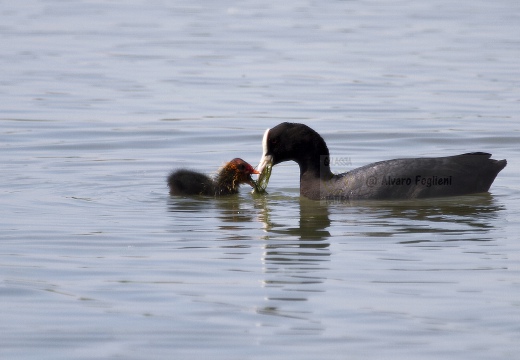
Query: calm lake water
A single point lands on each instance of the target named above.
(100, 100)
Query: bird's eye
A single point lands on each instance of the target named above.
(241, 167)
(273, 141)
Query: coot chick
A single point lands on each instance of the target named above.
(392, 179)
(226, 182)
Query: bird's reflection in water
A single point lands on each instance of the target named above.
(223, 218)
(306, 242)
(450, 219)
(294, 259)
(295, 244)
(293, 250)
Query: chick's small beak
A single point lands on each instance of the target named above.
(248, 172)
(250, 180)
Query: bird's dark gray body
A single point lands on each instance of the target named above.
(408, 179)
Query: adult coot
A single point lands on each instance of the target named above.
(392, 179)
(226, 182)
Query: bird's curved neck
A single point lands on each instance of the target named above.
(317, 166)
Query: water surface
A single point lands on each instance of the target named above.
(99, 101)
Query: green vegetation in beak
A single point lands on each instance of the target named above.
(263, 179)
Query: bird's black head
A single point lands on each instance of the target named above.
(296, 142)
